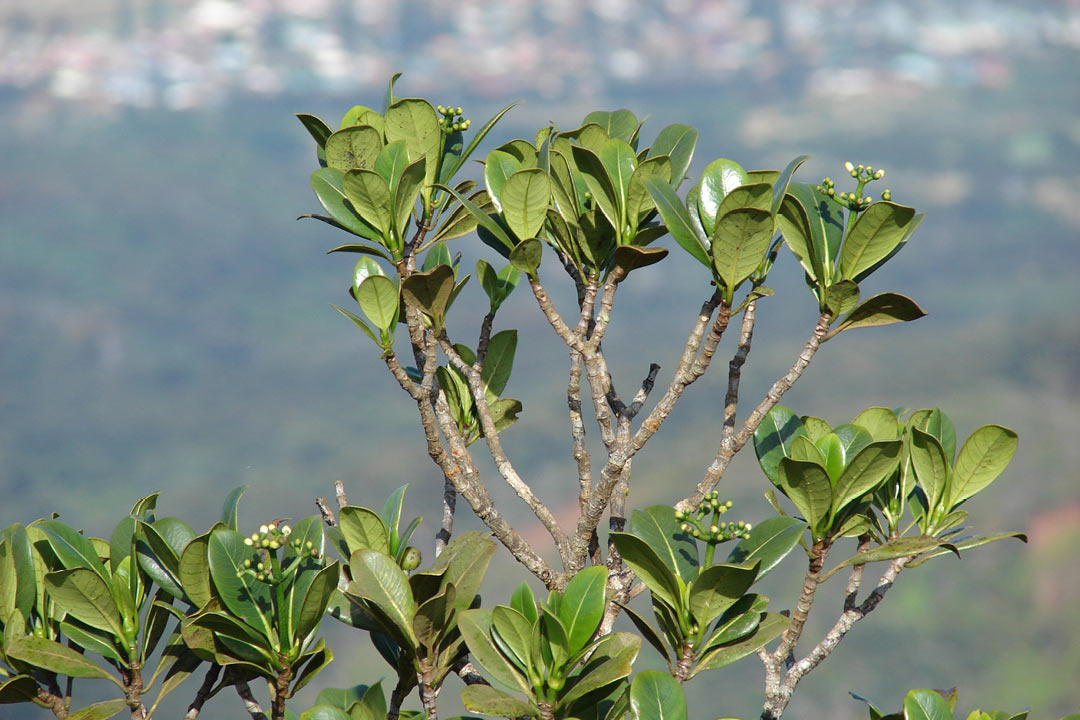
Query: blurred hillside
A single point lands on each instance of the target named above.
(164, 321)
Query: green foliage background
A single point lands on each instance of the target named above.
(164, 324)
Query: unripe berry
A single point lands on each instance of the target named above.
(411, 559)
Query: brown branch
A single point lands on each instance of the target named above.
(498, 454)
(326, 512)
(607, 302)
(485, 339)
(554, 319)
(468, 673)
(252, 707)
(53, 701)
(730, 446)
(442, 538)
(731, 399)
(582, 458)
(203, 692)
(646, 388)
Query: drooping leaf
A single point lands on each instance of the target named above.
(430, 292)
(526, 256)
(83, 595)
(883, 309)
(630, 258)
(492, 701)
(57, 658)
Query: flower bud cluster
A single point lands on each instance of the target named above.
(452, 120)
(271, 537)
(855, 201)
(716, 531)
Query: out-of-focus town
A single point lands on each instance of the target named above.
(180, 55)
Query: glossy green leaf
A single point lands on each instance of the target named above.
(583, 606)
(244, 597)
(619, 162)
(738, 621)
(883, 309)
(524, 602)
(865, 472)
(512, 633)
(656, 695)
(832, 455)
(807, 485)
(599, 183)
(717, 589)
(770, 542)
(409, 188)
(983, 457)
(638, 200)
(230, 509)
(83, 595)
(657, 526)
(378, 298)
(719, 178)
(156, 555)
(353, 147)
(18, 689)
(877, 231)
(378, 579)
(649, 567)
(767, 630)
(315, 601)
(676, 218)
(773, 439)
(324, 712)
(795, 228)
(499, 361)
(619, 124)
(780, 185)
(193, 570)
(611, 661)
(475, 627)
(57, 658)
(525, 197)
(491, 701)
(926, 705)
(526, 256)
(825, 223)
(678, 143)
(369, 193)
(841, 298)
(498, 167)
(484, 220)
(931, 466)
(880, 422)
(72, 549)
(740, 241)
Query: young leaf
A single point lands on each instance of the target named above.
(378, 298)
(378, 579)
(773, 439)
(719, 178)
(583, 606)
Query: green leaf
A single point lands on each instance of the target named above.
(414, 121)
(324, 712)
(353, 114)
(780, 186)
(158, 558)
(638, 200)
(72, 549)
(378, 579)
(738, 621)
(583, 606)
(499, 361)
(329, 187)
(612, 660)
(926, 705)
(353, 147)
(807, 485)
(648, 632)
(461, 222)
(880, 422)
(983, 457)
(378, 298)
(649, 567)
(773, 439)
(657, 526)
(475, 627)
(369, 193)
(841, 297)
(865, 472)
(525, 197)
(898, 548)
(769, 542)
(767, 630)
(655, 695)
(392, 162)
(100, 710)
(740, 242)
(498, 167)
(409, 187)
(98, 642)
(19, 689)
(430, 292)
(512, 634)
(524, 602)
(491, 701)
(467, 558)
(931, 466)
(244, 597)
(598, 181)
(526, 256)
(876, 233)
(678, 143)
(883, 309)
(676, 218)
(719, 177)
(359, 322)
(83, 595)
(194, 570)
(795, 228)
(318, 129)
(630, 258)
(619, 162)
(826, 226)
(54, 657)
(717, 589)
(391, 516)
(968, 544)
(484, 220)
(619, 124)
(230, 509)
(315, 601)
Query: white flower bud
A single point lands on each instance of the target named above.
(849, 167)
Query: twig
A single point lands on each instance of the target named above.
(203, 692)
(252, 707)
(554, 319)
(326, 512)
(643, 394)
(449, 506)
(339, 494)
(731, 400)
(468, 673)
(730, 446)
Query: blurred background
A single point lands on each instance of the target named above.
(164, 321)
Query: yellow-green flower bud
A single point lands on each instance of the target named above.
(849, 167)
(879, 174)
(274, 544)
(887, 195)
(249, 541)
(441, 109)
(411, 559)
(263, 529)
(286, 530)
(260, 567)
